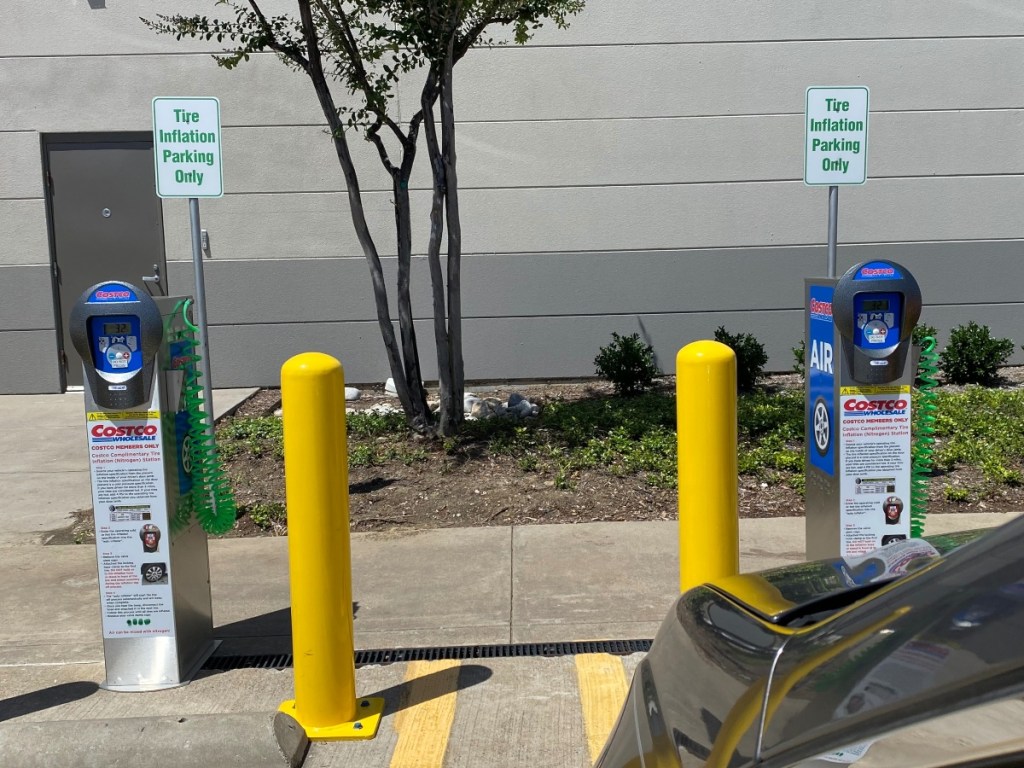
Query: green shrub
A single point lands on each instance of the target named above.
(800, 358)
(628, 363)
(921, 332)
(973, 356)
(750, 357)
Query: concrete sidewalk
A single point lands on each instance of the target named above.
(468, 586)
(433, 588)
(44, 464)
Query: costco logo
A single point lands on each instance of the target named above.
(125, 433)
(101, 294)
(877, 406)
(821, 310)
(877, 272)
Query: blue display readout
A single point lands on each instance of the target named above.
(115, 343)
(878, 318)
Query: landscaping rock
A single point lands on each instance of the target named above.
(351, 393)
(389, 387)
(523, 409)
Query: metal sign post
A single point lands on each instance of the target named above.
(187, 153)
(835, 147)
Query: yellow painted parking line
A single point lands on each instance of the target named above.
(603, 688)
(425, 722)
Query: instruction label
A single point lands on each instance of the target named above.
(874, 467)
(132, 531)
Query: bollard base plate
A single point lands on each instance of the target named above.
(368, 710)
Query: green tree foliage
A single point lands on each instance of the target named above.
(366, 48)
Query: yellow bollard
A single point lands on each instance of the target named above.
(319, 555)
(706, 434)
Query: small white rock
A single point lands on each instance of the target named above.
(524, 408)
(469, 401)
(279, 412)
(389, 387)
(480, 410)
(351, 393)
(515, 399)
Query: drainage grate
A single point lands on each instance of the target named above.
(451, 652)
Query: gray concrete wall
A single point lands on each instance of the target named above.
(640, 171)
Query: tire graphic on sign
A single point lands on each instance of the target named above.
(186, 454)
(821, 426)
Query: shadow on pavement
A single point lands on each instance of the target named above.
(434, 685)
(27, 703)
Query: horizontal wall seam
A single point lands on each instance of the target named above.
(666, 185)
(631, 118)
(619, 185)
(612, 251)
(540, 317)
(608, 119)
(572, 46)
(578, 316)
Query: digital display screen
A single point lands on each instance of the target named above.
(875, 305)
(117, 329)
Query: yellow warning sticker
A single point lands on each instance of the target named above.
(121, 415)
(892, 389)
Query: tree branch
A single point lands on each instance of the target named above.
(274, 44)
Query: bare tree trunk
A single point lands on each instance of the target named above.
(454, 235)
(410, 352)
(355, 201)
(448, 403)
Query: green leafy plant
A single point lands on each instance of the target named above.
(800, 358)
(268, 516)
(922, 332)
(628, 363)
(255, 434)
(957, 494)
(374, 424)
(973, 356)
(750, 357)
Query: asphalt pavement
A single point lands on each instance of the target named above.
(540, 585)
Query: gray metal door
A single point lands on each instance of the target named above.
(106, 222)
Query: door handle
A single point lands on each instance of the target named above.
(155, 280)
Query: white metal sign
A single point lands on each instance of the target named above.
(186, 147)
(132, 526)
(836, 135)
(874, 467)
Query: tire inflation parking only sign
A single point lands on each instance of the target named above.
(836, 136)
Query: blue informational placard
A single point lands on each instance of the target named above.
(821, 407)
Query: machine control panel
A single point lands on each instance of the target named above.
(117, 329)
(117, 343)
(879, 316)
(876, 306)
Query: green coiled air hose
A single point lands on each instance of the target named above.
(924, 430)
(211, 499)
